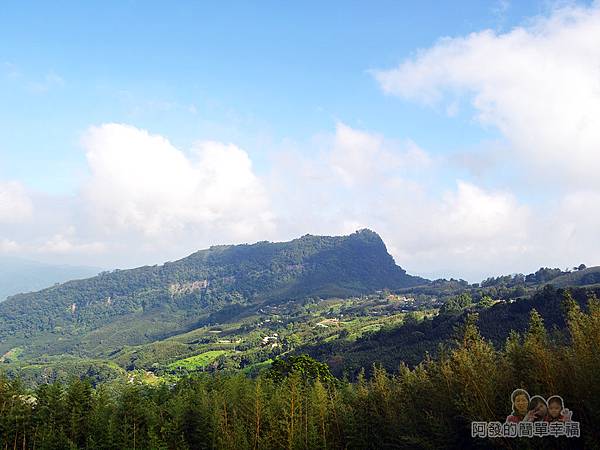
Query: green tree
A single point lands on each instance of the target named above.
(307, 368)
(79, 407)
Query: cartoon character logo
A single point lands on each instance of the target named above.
(520, 405)
(537, 410)
(557, 410)
(532, 416)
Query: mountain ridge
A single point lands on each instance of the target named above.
(149, 302)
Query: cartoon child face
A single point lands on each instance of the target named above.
(537, 408)
(554, 409)
(521, 404)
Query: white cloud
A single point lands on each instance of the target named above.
(576, 221)
(357, 156)
(360, 179)
(15, 204)
(472, 214)
(61, 244)
(539, 85)
(146, 202)
(344, 181)
(9, 246)
(466, 232)
(140, 181)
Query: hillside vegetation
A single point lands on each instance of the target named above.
(298, 404)
(99, 315)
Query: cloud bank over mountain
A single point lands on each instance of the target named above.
(523, 200)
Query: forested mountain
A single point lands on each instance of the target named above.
(581, 277)
(578, 276)
(413, 341)
(140, 305)
(21, 275)
(317, 342)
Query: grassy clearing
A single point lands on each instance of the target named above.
(197, 361)
(12, 355)
(257, 367)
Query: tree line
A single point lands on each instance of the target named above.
(297, 404)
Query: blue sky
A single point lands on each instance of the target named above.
(274, 79)
(250, 71)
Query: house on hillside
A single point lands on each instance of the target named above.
(272, 340)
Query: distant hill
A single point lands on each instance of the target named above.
(19, 275)
(412, 342)
(585, 277)
(97, 315)
(579, 276)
